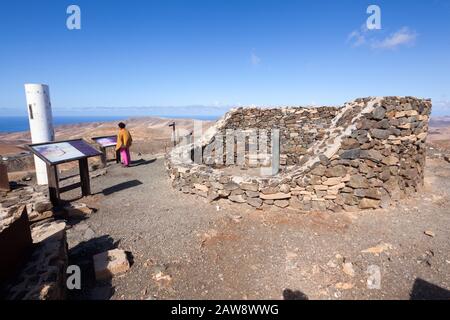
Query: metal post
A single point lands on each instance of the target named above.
(173, 134)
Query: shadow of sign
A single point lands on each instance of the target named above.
(424, 290)
(121, 186)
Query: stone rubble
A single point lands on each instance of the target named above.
(110, 263)
(37, 203)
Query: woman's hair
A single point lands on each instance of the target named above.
(121, 125)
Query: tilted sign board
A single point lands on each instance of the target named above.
(107, 141)
(54, 153)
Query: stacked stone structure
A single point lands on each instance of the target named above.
(365, 155)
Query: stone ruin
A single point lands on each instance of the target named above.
(33, 247)
(34, 251)
(367, 154)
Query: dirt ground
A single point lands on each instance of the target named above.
(184, 248)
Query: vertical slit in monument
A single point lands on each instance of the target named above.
(275, 155)
(229, 147)
(252, 148)
(30, 108)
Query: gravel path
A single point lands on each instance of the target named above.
(185, 248)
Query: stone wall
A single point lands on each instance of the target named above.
(37, 203)
(44, 275)
(299, 127)
(364, 155)
(43, 272)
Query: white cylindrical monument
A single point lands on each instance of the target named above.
(41, 122)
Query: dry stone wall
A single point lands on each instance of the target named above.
(365, 155)
(299, 127)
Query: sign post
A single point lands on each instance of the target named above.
(4, 182)
(174, 139)
(104, 143)
(59, 152)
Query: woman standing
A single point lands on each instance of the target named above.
(124, 141)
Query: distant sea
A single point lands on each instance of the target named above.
(16, 124)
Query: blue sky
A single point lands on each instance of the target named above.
(222, 53)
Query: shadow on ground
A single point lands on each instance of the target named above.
(81, 255)
(120, 187)
(141, 162)
(289, 294)
(424, 290)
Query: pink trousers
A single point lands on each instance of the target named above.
(125, 156)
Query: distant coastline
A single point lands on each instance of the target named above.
(11, 124)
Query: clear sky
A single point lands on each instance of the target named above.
(223, 52)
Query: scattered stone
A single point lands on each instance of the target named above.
(347, 268)
(201, 187)
(378, 248)
(110, 263)
(430, 233)
(343, 286)
(77, 210)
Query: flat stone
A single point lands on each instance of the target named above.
(42, 206)
(255, 202)
(230, 186)
(373, 155)
(351, 154)
(367, 203)
(285, 188)
(357, 182)
(347, 268)
(378, 113)
(281, 203)
(332, 181)
(238, 198)
(249, 186)
(269, 190)
(275, 196)
(390, 160)
(252, 194)
(320, 187)
(336, 171)
(237, 192)
(77, 210)
(212, 196)
(223, 193)
(201, 187)
(216, 185)
(380, 133)
(110, 263)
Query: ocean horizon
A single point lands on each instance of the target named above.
(9, 124)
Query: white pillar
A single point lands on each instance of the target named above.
(41, 122)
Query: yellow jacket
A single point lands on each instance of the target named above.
(124, 139)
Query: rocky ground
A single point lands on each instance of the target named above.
(184, 248)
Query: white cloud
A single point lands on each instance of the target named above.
(254, 59)
(365, 37)
(403, 37)
(442, 104)
(358, 38)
